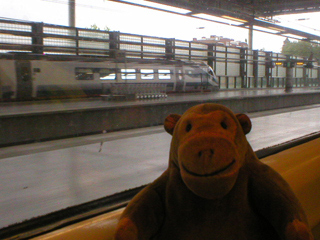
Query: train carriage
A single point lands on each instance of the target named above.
(25, 77)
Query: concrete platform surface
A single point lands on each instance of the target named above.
(40, 178)
(42, 107)
(27, 122)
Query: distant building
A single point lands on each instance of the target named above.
(219, 40)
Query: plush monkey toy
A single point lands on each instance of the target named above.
(214, 188)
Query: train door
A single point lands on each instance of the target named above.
(204, 77)
(179, 79)
(24, 79)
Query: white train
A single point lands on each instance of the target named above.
(24, 76)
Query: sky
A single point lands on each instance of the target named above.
(137, 20)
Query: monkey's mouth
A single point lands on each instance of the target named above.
(214, 173)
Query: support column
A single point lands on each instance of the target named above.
(170, 53)
(243, 68)
(289, 79)
(318, 75)
(210, 56)
(305, 77)
(114, 44)
(250, 37)
(289, 75)
(255, 68)
(37, 38)
(268, 69)
(72, 13)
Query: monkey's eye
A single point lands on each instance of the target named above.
(224, 125)
(188, 127)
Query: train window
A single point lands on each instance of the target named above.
(84, 73)
(164, 74)
(192, 74)
(210, 71)
(128, 74)
(108, 74)
(147, 74)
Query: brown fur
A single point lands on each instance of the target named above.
(214, 187)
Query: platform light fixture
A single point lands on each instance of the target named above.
(292, 36)
(276, 29)
(269, 25)
(217, 19)
(234, 18)
(158, 6)
(255, 27)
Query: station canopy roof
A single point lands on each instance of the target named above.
(258, 14)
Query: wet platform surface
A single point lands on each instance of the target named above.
(42, 107)
(37, 121)
(40, 178)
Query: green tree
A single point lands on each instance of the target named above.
(301, 49)
(95, 27)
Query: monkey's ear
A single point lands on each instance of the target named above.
(170, 122)
(245, 122)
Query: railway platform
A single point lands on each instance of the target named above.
(25, 122)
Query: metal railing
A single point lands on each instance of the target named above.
(235, 67)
